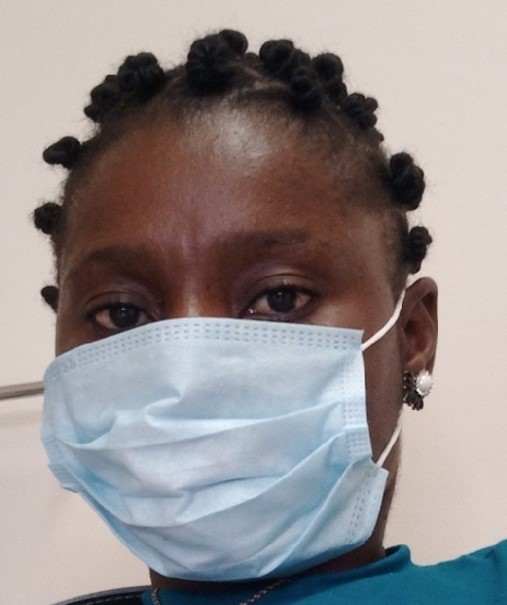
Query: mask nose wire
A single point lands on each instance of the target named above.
(387, 326)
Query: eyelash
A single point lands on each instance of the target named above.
(288, 293)
(94, 313)
(283, 288)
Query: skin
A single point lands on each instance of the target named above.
(212, 217)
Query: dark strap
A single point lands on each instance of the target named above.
(118, 596)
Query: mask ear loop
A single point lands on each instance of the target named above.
(387, 326)
(387, 450)
(365, 345)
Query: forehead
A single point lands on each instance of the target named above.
(214, 177)
(217, 149)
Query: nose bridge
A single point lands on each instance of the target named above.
(198, 300)
(196, 272)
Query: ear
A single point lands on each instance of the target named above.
(419, 326)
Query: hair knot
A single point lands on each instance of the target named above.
(281, 60)
(209, 64)
(329, 69)
(417, 246)
(305, 91)
(103, 98)
(64, 152)
(361, 109)
(236, 41)
(50, 296)
(47, 217)
(141, 73)
(406, 180)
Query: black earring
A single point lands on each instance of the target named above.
(416, 387)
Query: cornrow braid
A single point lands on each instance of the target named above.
(219, 66)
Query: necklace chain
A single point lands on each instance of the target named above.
(262, 592)
(253, 599)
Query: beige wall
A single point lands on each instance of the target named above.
(438, 70)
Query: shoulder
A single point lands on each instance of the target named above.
(489, 562)
(477, 578)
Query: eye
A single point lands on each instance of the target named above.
(282, 300)
(119, 316)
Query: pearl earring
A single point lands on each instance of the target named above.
(416, 388)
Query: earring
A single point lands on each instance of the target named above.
(415, 388)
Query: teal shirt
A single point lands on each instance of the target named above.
(479, 578)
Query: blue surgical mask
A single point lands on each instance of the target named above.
(220, 449)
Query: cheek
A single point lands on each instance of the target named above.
(63, 342)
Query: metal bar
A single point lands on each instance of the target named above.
(16, 391)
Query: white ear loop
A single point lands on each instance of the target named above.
(372, 340)
(387, 450)
(387, 326)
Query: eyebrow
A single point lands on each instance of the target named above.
(269, 239)
(131, 256)
(117, 255)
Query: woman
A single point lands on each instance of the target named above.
(243, 460)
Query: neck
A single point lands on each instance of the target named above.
(364, 555)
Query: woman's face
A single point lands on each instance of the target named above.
(229, 216)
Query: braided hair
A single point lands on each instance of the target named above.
(218, 66)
